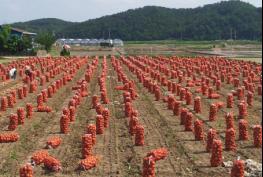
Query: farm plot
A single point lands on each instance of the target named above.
(130, 116)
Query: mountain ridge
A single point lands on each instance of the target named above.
(209, 22)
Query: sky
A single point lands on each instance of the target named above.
(82, 10)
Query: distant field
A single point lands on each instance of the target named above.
(258, 60)
(245, 50)
(180, 42)
(242, 49)
(90, 51)
(197, 44)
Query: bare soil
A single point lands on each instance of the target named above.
(115, 148)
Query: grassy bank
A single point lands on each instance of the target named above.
(5, 60)
(54, 52)
(2, 60)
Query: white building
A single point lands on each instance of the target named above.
(89, 42)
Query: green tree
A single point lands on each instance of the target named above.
(13, 44)
(26, 43)
(5, 32)
(46, 39)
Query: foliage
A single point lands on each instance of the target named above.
(16, 44)
(27, 42)
(211, 22)
(4, 36)
(46, 39)
(44, 25)
(13, 44)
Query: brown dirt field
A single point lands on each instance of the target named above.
(196, 150)
(94, 51)
(236, 52)
(118, 155)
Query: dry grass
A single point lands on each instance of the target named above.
(5, 60)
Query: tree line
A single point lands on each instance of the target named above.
(225, 20)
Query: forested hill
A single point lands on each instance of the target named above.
(45, 24)
(210, 22)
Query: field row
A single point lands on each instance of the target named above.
(130, 116)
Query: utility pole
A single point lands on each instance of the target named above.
(231, 36)
(231, 41)
(109, 33)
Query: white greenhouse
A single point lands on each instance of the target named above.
(89, 42)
